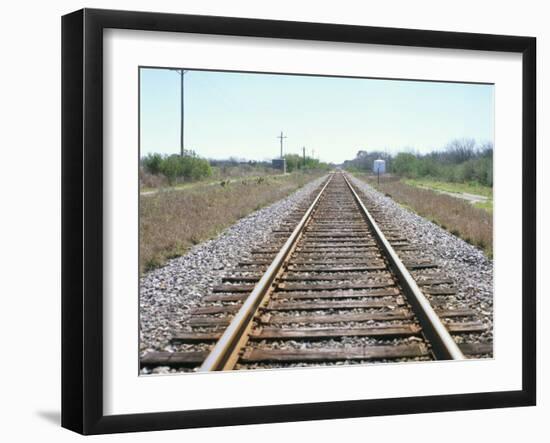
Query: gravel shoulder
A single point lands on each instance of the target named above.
(169, 293)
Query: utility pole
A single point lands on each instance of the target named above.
(281, 137)
(181, 72)
(181, 112)
(304, 151)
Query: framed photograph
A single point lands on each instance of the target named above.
(269, 221)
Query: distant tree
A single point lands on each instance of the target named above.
(460, 150)
(486, 150)
(152, 163)
(295, 162)
(171, 167)
(364, 160)
(405, 164)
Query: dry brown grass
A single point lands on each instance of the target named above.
(173, 221)
(457, 216)
(147, 180)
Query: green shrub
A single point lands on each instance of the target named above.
(295, 162)
(406, 164)
(152, 163)
(175, 167)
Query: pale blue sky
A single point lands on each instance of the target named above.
(240, 114)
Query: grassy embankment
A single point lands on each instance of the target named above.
(152, 183)
(209, 181)
(173, 221)
(457, 216)
(458, 188)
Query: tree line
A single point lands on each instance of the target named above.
(175, 168)
(460, 161)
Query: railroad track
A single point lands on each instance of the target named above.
(330, 288)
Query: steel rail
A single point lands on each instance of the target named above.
(223, 355)
(443, 345)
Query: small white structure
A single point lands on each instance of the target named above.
(379, 166)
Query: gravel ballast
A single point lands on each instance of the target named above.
(169, 293)
(467, 265)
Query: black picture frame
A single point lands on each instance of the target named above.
(82, 218)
